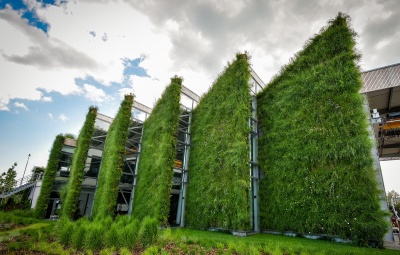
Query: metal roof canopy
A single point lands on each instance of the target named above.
(382, 87)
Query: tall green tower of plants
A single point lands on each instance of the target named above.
(155, 170)
(105, 199)
(74, 186)
(49, 176)
(219, 180)
(315, 149)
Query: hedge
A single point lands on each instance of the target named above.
(49, 176)
(153, 190)
(315, 150)
(78, 164)
(219, 171)
(105, 199)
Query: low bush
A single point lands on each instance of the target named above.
(64, 230)
(78, 236)
(94, 239)
(128, 235)
(148, 231)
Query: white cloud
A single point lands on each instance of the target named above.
(3, 104)
(95, 94)
(50, 115)
(62, 117)
(193, 40)
(46, 99)
(125, 91)
(104, 38)
(21, 105)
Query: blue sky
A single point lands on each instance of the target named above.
(60, 57)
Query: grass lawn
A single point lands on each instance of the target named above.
(267, 244)
(28, 236)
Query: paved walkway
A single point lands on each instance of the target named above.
(393, 245)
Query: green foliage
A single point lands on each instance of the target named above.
(112, 161)
(78, 164)
(148, 231)
(64, 230)
(153, 190)
(218, 192)
(315, 149)
(78, 236)
(7, 179)
(127, 235)
(94, 236)
(124, 232)
(18, 217)
(49, 177)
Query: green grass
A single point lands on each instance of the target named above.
(266, 242)
(39, 237)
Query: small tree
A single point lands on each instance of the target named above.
(7, 179)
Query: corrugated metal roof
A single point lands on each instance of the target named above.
(381, 78)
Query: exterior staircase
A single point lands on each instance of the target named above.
(22, 184)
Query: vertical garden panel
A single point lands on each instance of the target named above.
(315, 149)
(219, 172)
(112, 162)
(49, 176)
(153, 190)
(78, 165)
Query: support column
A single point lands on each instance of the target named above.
(254, 172)
(135, 175)
(180, 219)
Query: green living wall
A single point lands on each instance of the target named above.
(219, 171)
(315, 149)
(74, 186)
(105, 199)
(49, 176)
(153, 190)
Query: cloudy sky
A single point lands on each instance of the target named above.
(60, 57)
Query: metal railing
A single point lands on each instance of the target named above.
(27, 179)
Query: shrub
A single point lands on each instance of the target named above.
(79, 234)
(153, 190)
(78, 164)
(128, 234)
(218, 192)
(152, 250)
(112, 236)
(148, 231)
(64, 230)
(94, 239)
